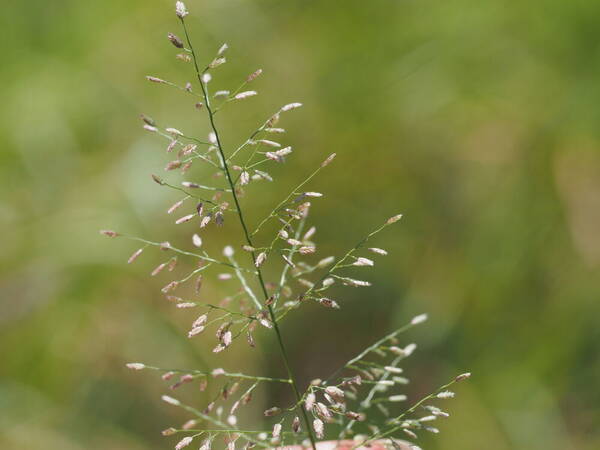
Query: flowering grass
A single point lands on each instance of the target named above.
(361, 400)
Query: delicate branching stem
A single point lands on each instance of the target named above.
(227, 431)
(371, 348)
(199, 373)
(292, 379)
(273, 213)
(410, 410)
(183, 252)
(244, 283)
(220, 424)
(340, 262)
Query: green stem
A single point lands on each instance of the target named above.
(282, 348)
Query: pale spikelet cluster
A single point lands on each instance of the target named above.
(279, 269)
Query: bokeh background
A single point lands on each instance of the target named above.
(479, 121)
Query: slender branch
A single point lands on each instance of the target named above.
(382, 434)
(199, 373)
(220, 424)
(287, 199)
(346, 256)
(369, 349)
(248, 238)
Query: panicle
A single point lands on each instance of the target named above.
(109, 233)
(379, 251)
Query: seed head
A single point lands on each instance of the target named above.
(335, 393)
(328, 160)
(155, 80)
(253, 76)
(217, 62)
(328, 303)
(394, 219)
(463, 376)
(418, 319)
(135, 255)
(296, 424)
(196, 330)
(363, 262)
(246, 94)
(222, 49)
(185, 219)
(276, 430)
(136, 366)
(272, 411)
(309, 401)
(184, 442)
(181, 10)
(318, 427)
(446, 394)
(359, 417)
(196, 240)
(290, 106)
(109, 233)
(170, 400)
(175, 40)
(260, 259)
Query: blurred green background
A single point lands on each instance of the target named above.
(479, 121)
